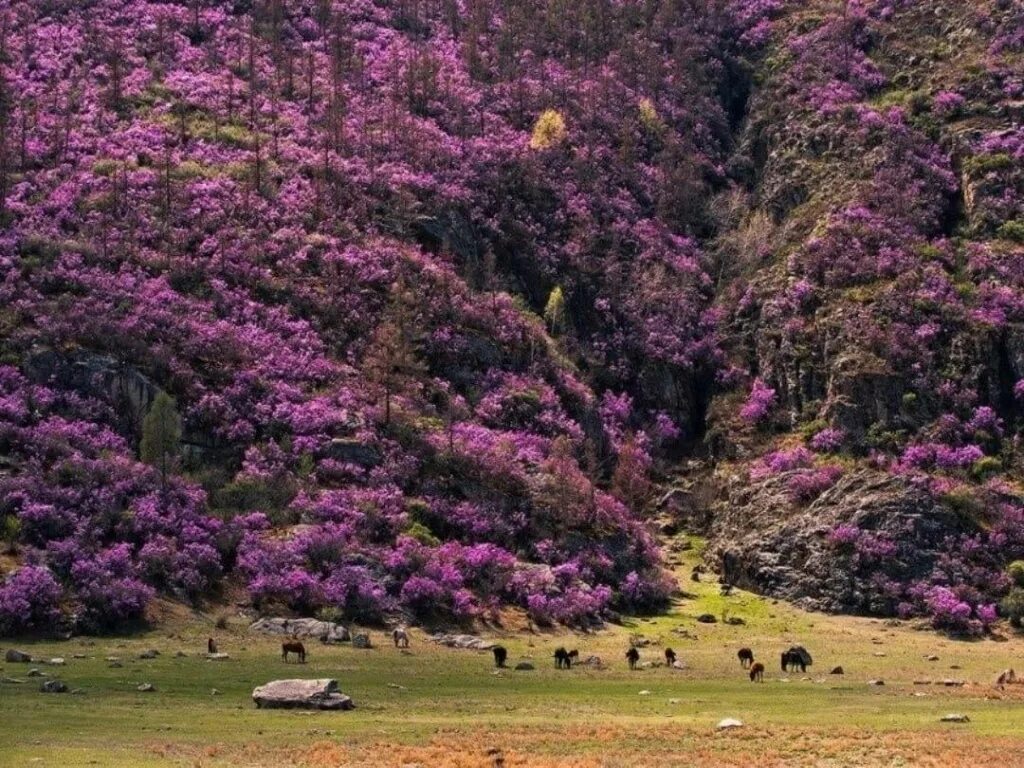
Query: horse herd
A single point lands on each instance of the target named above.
(794, 658)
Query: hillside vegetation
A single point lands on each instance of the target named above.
(406, 308)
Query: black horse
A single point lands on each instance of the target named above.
(562, 659)
(746, 657)
(670, 656)
(500, 655)
(796, 657)
(633, 657)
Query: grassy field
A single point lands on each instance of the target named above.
(442, 707)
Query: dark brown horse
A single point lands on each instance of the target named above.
(500, 654)
(633, 657)
(293, 646)
(746, 657)
(797, 656)
(670, 656)
(574, 656)
(211, 646)
(757, 672)
(562, 659)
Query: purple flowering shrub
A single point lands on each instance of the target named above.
(30, 600)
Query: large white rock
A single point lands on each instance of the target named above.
(324, 631)
(729, 723)
(301, 694)
(466, 642)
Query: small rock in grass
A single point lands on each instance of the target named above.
(836, 671)
(53, 686)
(675, 701)
(17, 657)
(215, 692)
(361, 640)
(953, 683)
(151, 653)
(707, 618)
(57, 662)
(217, 657)
(524, 666)
(181, 655)
(879, 653)
(876, 682)
(35, 673)
(729, 723)
(645, 693)
(79, 656)
(115, 665)
(955, 717)
(932, 657)
(146, 688)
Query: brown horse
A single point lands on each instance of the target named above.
(757, 672)
(746, 657)
(633, 657)
(401, 637)
(211, 645)
(670, 657)
(293, 646)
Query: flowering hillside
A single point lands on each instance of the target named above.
(384, 307)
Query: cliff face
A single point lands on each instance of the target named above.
(874, 298)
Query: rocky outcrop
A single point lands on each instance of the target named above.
(349, 451)
(122, 386)
(13, 656)
(324, 631)
(761, 541)
(301, 694)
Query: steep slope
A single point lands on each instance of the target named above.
(874, 301)
(327, 230)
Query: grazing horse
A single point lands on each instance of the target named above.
(562, 660)
(670, 656)
(793, 658)
(746, 657)
(211, 646)
(500, 654)
(574, 656)
(1007, 676)
(633, 657)
(401, 637)
(293, 646)
(757, 672)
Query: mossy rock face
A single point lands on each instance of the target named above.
(790, 555)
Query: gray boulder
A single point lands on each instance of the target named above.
(324, 631)
(763, 542)
(463, 642)
(301, 694)
(151, 653)
(217, 657)
(17, 657)
(146, 688)
(350, 451)
(53, 686)
(361, 640)
(524, 666)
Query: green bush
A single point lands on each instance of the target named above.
(1016, 572)
(422, 534)
(986, 466)
(1012, 607)
(1013, 230)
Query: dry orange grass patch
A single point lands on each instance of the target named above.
(617, 747)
